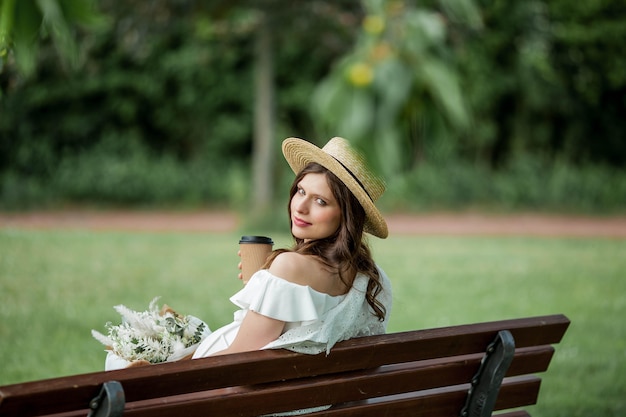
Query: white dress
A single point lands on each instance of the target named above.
(315, 321)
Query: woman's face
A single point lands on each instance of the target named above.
(315, 214)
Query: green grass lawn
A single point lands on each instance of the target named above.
(55, 286)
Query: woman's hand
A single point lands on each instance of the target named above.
(240, 275)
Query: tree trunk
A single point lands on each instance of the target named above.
(262, 155)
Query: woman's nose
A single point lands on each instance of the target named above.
(301, 205)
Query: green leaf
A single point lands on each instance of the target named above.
(357, 115)
(82, 12)
(389, 150)
(7, 15)
(25, 35)
(463, 11)
(445, 90)
(57, 26)
(393, 85)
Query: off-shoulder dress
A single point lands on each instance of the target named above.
(314, 321)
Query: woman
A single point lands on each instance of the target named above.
(327, 288)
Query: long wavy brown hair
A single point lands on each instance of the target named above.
(346, 250)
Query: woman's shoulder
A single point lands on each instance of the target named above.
(295, 267)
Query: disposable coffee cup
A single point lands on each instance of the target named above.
(254, 252)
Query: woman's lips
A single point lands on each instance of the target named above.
(300, 223)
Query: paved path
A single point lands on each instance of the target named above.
(423, 224)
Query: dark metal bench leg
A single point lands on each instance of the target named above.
(485, 385)
(109, 402)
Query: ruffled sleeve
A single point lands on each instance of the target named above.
(282, 300)
(353, 317)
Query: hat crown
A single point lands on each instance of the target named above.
(354, 163)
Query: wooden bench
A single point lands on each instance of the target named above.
(417, 373)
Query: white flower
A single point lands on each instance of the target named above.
(151, 335)
(177, 345)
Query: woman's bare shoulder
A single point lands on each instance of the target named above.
(294, 267)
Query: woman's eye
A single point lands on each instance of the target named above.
(300, 191)
(320, 202)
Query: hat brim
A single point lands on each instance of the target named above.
(299, 153)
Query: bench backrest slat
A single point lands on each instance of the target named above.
(443, 402)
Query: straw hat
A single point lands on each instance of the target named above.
(349, 166)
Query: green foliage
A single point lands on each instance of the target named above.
(142, 121)
(399, 88)
(58, 285)
(24, 23)
(160, 109)
(160, 113)
(546, 77)
(588, 55)
(526, 184)
(130, 175)
(483, 81)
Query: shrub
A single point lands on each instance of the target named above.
(527, 183)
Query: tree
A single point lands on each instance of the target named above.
(398, 92)
(545, 80)
(25, 23)
(587, 53)
(274, 21)
(264, 118)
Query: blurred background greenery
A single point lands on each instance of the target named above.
(491, 105)
(183, 103)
